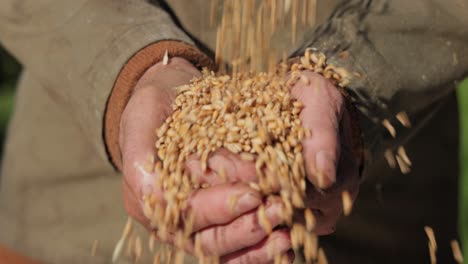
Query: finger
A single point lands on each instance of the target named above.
(235, 166)
(221, 204)
(223, 166)
(328, 205)
(147, 109)
(321, 115)
(243, 232)
(264, 252)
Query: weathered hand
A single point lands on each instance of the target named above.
(244, 234)
(330, 163)
(233, 233)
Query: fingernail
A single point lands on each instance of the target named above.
(326, 169)
(247, 202)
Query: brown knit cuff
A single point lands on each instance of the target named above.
(128, 78)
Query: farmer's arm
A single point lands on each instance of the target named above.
(410, 54)
(81, 46)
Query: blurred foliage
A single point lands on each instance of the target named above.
(9, 71)
(463, 105)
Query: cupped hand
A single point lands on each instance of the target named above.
(331, 165)
(230, 232)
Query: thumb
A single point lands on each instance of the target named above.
(146, 110)
(321, 115)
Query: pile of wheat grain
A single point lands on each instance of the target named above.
(252, 115)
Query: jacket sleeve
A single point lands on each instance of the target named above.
(78, 48)
(401, 55)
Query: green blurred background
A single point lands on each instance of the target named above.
(9, 70)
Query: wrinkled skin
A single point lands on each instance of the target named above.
(236, 235)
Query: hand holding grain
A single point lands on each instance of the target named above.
(222, 227)
(330, 164)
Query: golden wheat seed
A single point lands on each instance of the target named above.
(129, 250)
(247, 156)
(389, 127)
(118, 250)
(402, 153)
(404, 119)
(457, 253)
(94, 248)
(431, 236)
(432, 253)
(157, 258)
(214, 11)
(233, 202)
(263, 220)
(198, 246)
(277, 259)
(390, 158)
(321, 258)
(128, 227)
(151, 241)
(138, 249)
(166, 58)
(179, 257)
(347, 203)
(404, 168)
(309, 219)
(310, 246)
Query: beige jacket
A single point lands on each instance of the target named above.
(59, 190)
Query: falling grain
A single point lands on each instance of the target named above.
(94, 248)
(295, 6)
(263, 220)
(404, 168)
(430, 235)
(309, 219)
(457, 253)
(322, 258)
(118, 250)
(347, 203)
(128, 228)
(388, 154)
(312, 10)
(151, 242)
(214, 12)
(402, 154)
(250, 114)
(403, 118)
(166, 58)
(138, 249)
(432, 253)
(157, 258)
(389, 127)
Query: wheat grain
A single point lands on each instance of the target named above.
(388, 154)
(431, 236)
(402, 154)
(404, 119)
(457, 253)
(389, 127)
(94, 248)
(166, 58)
(347, 203)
